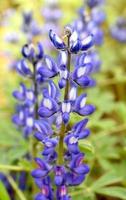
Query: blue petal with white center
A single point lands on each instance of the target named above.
(66, 109)
(86, 43)
(48, 69)
(48, 107)
(81, 108)
(56, 40)
(20, 95)
(23, 68)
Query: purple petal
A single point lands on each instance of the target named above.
(86, 43)
(38, 173)
(82, 169)
(86, 110)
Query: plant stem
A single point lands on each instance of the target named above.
(16, 189)
(35, 91)
(68, 68)
(33, 142)
(12, 168)
(63, 127)
(61, 146)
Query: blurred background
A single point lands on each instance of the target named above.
(25, 20)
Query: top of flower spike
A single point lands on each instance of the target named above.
(76, 44)
(118, 30)
(94, 3)
(33, 53)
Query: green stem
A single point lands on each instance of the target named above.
(35, 91)
(33, 142)
(63, 127)
(61, 146)
(16, 189)
(13, 168)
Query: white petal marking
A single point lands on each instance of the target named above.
(87, 59)
(74, 37)
(81, 71)
(21, 115)
(87, 40)
(38, 127)
(59, 119)
(58, 39)
(64, 74)
(47, 103)
(72, 93)
(30, 95)
(73, 140)
(29, 121)
(48, 144)
(49, 63)
(64, 57)
(83, 102)
(66, 107)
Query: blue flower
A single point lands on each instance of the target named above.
(43, 130)
(25, 95)
(31, 53)
(59, 175)
(43, 170)
(81, 108)
(94, 3)
(46, 189)
(48, 69)
(62, 193)
(76, 44)
(48, 107)
(56, 40)
(23, 68)
(118, 30)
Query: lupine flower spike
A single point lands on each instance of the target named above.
(62, 163)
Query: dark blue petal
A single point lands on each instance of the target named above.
(82, 71)
(28, 51)
(40, 53)
(45, 112)
(47, 151)
(38, 173)
(74, 179)
(17, 121)
(82, 169)
(65, 117)
(75, 46)
(85, 133)
(46, 73)
(39, 136)
(40, 197)
(58, 180)
(25, 68)
(78, 127)
(83, 81)
(80, 102)
(87, 42)
(87, 110)
(57, 42)
(80, 60)
(73, 148)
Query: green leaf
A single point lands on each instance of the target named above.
(86, 146)
(107, 179)
(118, 192)
(3, 192)
(26, 164)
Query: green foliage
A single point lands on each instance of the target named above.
(113, 191)
(3, 192)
